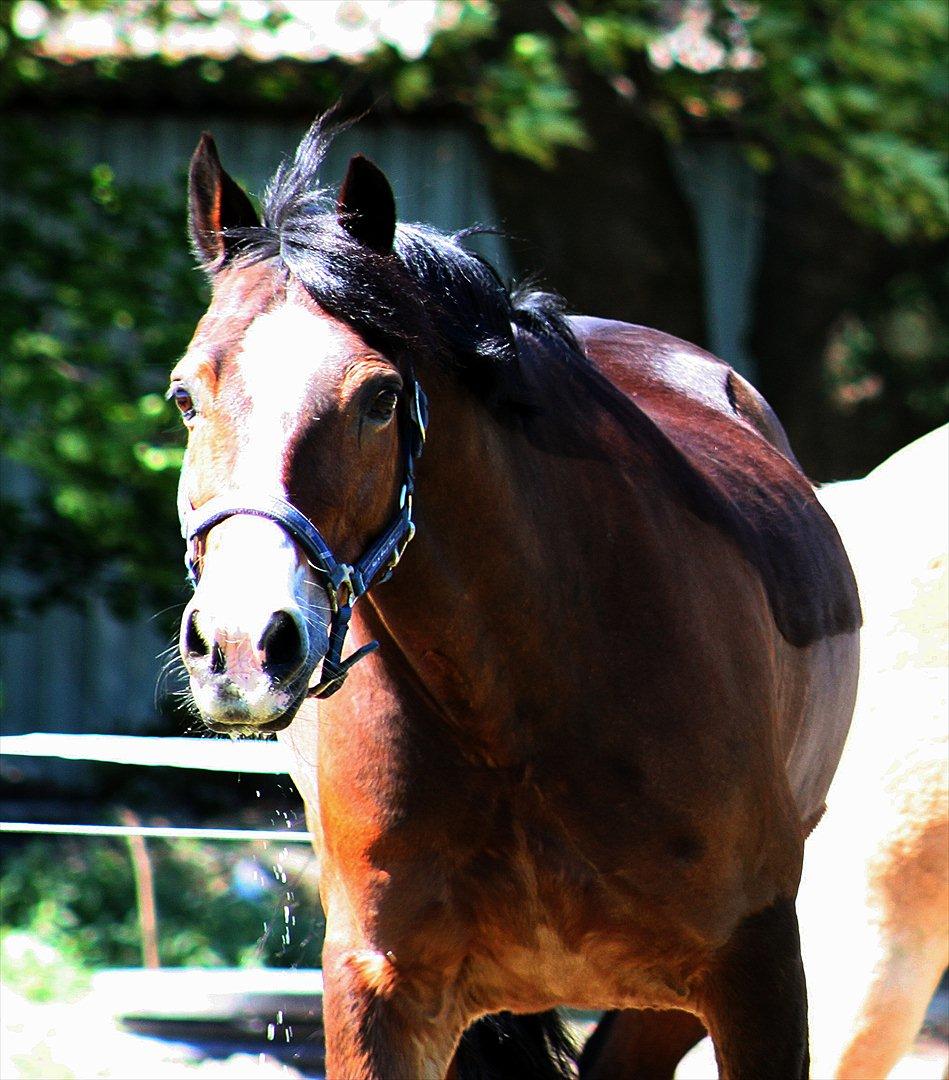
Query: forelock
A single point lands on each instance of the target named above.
(430, 296)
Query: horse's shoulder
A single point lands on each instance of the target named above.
(728, 456)
(648, 364)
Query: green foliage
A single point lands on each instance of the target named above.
(38, 971)
(891, 357)
(525, 104)
(861, 86)
(80, 905)
(101, 300)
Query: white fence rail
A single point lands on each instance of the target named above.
(217, 755)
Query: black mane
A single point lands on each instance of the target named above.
(431, 296)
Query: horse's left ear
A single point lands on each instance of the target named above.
(366, 205)
(215, 204)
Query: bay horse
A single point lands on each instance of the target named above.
(590, 716)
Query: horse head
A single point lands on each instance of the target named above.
(286, 407)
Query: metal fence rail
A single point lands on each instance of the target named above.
(215, 755)
(280, 836)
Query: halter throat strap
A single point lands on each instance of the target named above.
(344, 582)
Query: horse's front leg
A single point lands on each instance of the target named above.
(755, 1002)
(380, 1024)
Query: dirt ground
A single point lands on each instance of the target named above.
(928, 1061)
(80, 1042)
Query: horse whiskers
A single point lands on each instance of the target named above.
(172, 678)
(164, 611)
(316, 613)
(172, 665)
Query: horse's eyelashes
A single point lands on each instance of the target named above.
(182, 399)
(382, 406)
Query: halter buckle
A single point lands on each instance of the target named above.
(344, 576)
(396, 556)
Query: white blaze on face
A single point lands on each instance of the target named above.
(282, 351)
(251, 567)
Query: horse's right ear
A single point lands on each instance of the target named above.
(215, 205)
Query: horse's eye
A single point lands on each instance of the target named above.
(383, 405)
(182, 399)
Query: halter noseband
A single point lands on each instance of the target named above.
(345, 582)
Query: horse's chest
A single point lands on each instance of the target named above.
(553, 929)
(589, 951)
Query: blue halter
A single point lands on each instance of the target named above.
(345, 582)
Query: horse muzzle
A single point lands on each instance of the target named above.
(254, 631)
(245, 676)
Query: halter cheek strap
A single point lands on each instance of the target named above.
(345, 583)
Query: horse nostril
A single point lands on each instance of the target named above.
(194, 644)
(282, 646)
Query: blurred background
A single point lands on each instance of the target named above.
(766, 179)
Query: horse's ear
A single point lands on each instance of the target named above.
(215, 204)
(366, 206)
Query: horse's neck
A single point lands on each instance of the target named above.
(456, 599)
(495, 604)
